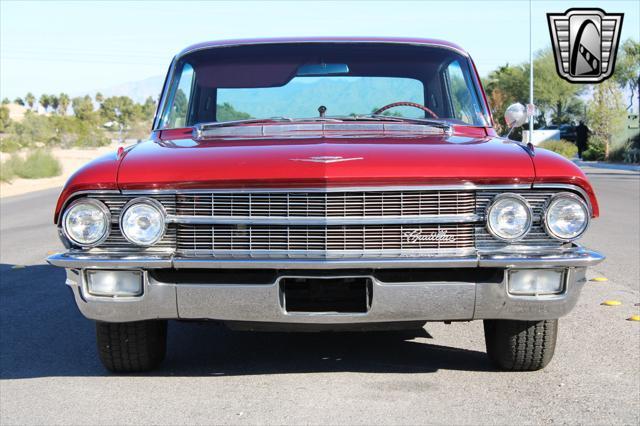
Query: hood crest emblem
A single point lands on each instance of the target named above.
(326, 159)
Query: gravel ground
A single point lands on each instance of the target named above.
(50, 373)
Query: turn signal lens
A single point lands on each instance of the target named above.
(143, 221)
(566, 217)
(534, 282)
(86, 222)
(509, 217)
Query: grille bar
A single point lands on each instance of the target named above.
(330, 204)
(221, 240)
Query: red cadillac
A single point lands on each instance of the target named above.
(326, 184)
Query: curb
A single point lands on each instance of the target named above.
(603, 165)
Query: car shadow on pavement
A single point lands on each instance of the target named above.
(43, 334)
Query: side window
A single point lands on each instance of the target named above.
(464, 104)
(177, 115)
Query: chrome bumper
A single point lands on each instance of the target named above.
(575, 257)
(410, 301)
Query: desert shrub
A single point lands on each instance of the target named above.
(6, 171)
(72, 132)
(33, 129)
(9, 143)
(562, 147)
(626, 153)
(596, 150)
(38, 164)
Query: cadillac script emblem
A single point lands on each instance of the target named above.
(585, 42)
(417, 236)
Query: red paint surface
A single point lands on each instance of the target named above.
(99, 174)
(183, 163)
(553, 168)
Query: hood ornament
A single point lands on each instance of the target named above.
(326, 159)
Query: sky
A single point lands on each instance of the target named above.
(81, 46)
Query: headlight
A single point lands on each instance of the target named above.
(86, 222)
(509, 217)
(142, 221)
(566, 217)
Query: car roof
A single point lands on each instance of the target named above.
(301, 40)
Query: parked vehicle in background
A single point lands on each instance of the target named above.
(326, 184)
(567, 131)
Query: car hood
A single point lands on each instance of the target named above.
(317, 162)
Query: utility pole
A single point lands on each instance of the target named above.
(531, 108)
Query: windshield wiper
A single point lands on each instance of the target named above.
(279, 119)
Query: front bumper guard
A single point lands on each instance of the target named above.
(410, 301)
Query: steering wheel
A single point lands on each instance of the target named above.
(409, 104)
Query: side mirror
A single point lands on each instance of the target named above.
(515, 115)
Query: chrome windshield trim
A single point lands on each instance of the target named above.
(323, 221)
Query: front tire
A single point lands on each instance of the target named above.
(520, 345)
(131, 346)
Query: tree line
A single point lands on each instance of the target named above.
(92, 122)
(560, 102)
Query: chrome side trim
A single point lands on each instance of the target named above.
(293, 220)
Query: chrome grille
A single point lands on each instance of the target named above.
(391, 215)
(328, 204)
(207, 239)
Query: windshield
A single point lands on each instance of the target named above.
(317, 80)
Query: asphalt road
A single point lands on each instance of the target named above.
(50, 373)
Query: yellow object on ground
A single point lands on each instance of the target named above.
(634, 318)
(599, 279)
(611, 303)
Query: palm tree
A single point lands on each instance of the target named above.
(45, 101)
(55, 102)
(64, 100)
(99, 98)
(18, 101)
(30, 99)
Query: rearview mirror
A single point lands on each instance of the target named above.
(322, 69)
